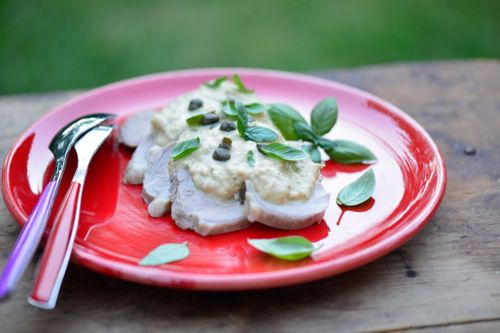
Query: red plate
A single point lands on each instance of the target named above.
(115, 231)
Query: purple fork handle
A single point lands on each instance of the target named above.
(27, 242)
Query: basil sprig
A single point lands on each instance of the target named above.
(229, 109)
(165, 254)
(323, 117)
(358, 191)
(282, 152)
(241, 86)
(215, 83)
(252, 133)
(287, 248)
(185, 148)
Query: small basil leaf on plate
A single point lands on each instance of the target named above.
(256, 108)
(241, 86)
(286, 248)
(283, 117)
(185, 148)
(195, 120)
(304, 132)
(165, 254)
(259, 134)
(250, 158)
(215, 83)
(313, 152)
(347, 152)
(358, 191)
(283, 152)
(324, 116)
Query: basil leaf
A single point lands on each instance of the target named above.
(195, 120)
(259, 134)
(165, 254)
(242, 115)
(304, 132)
(287, 248)
(250, 158)
(215, 83)
(283, 117)
(185, 148)
(283, 152)
(324, 116)
(313, 152)
(347, 152)
(241, 85)
(229, 109)
(358, 191)
(256, 108)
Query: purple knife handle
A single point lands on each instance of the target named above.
(27, 242)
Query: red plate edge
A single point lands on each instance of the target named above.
(200, 281)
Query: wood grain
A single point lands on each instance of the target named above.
(446, 279)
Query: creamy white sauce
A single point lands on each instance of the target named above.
(274, 180)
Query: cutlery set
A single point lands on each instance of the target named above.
(86, 135)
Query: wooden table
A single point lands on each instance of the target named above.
(445, 279)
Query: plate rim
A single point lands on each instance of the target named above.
(241, 281)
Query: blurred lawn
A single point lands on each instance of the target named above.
(51, 45)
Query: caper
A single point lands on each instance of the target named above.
(209, 118)
(226, 143)
(195, 104)
(221, 154)
(227, 126)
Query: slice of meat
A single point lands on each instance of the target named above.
(136, 128)
(134, 174)
(291, 216)
(156, 185)
(192, 209)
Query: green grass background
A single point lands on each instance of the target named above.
(54, 45)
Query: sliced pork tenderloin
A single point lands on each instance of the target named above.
(136, 167)
(290, 216)
(156, 184)
(192, 209)
(136, 128)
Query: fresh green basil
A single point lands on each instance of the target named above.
(241, 86)
(256, 108)
(313, 152)
(304, 132)
(195, 120)
(250, 158)
(229, 109)
(283, 117)
(215, 83)
(165, 254)
(283, 152)
(185, 148)
(259, 134)
(286, 248)
(242, 116)
(358, 191)
(324, 116)
(347, 152)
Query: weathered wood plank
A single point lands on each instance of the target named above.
(445, 279)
